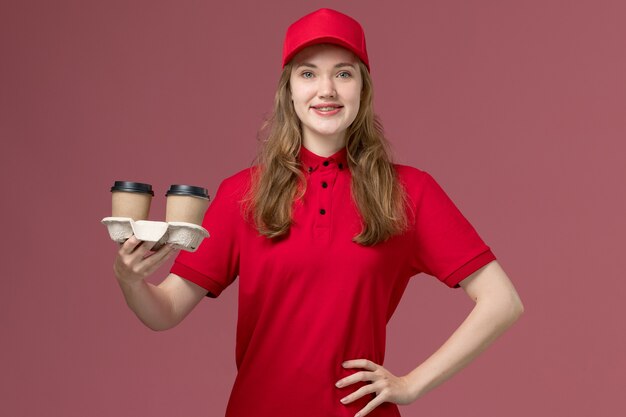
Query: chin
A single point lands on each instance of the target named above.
(328, 135)
(330, 132)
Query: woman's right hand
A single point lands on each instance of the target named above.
(134, 261)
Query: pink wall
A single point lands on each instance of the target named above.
(516, 108)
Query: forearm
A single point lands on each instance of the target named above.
(483, 325)
(150, 303)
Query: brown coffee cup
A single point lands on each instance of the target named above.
(186, 203)
(131, 199)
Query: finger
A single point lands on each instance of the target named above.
(130, 245)
(360, 363)
(159, 255)
(370, 406)
(150, 246)
(145, 265)
(140, 251)
(162, 257)
(356, 377)
(157, 265)
(361, 392)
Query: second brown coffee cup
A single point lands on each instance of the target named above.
(186, 203)
(131, 199)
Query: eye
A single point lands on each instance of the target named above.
(304, 74)
(346, 73)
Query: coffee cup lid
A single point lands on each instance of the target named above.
(132, 187)
(187, 190)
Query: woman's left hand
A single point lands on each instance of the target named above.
(386, 386)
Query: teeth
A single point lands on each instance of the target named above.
(326, 108)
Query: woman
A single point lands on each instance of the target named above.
(324, 233)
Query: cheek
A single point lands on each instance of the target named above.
(355, 113)
(296, 97)
(356, 105)
(299, 107)
(298, 104)
(356, 102)
(354, 96)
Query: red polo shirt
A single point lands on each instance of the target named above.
(314, 299)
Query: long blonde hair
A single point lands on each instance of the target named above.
(279, 179)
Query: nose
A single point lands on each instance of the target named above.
(326, 87)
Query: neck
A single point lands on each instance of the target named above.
(326, 147)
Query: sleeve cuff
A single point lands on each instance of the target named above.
(470, 267)
(185, 272)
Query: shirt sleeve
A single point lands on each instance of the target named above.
(446, 245)
(215, 264)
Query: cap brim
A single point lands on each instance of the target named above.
(320, 40)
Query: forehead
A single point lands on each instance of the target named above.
(325, 51)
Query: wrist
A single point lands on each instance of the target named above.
(131, 286)
(417, 384)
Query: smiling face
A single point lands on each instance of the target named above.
(326, 88)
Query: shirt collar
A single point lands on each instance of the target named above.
(311, 161)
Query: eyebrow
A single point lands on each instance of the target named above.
(341, 64)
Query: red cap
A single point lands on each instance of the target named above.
(325, 26)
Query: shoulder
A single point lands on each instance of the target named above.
(418, 184)
(231, 191)
(411, 177)
(236, 184)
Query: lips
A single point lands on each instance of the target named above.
(326, 111)
(327, 106)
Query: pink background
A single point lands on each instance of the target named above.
(517, 108)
